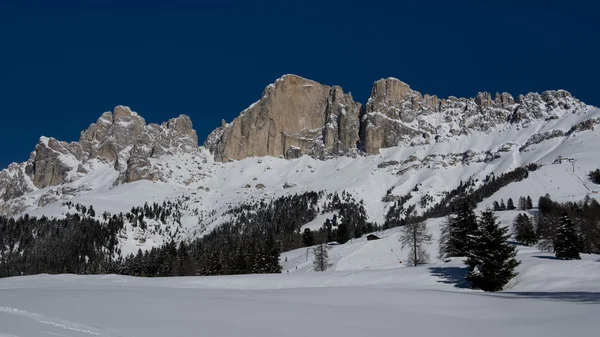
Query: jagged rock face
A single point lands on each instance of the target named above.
(176, 136)
(13, 182)
(48, 167)
(120, 138)
(295, 116)
(397, 115)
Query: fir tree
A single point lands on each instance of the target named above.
(456, 238)
(566, 241)
(522, 203)
(529, 203)
(524, 231)
(491, 263)
(343, 233)
(502, 205)
(308, 239)
(496, 206)
(510, 204)
(595, 176)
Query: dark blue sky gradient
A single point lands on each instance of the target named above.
(63, 63)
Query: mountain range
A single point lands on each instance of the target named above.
(305, 136)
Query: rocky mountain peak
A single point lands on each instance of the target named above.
(297, 116)
(294, 116)
(120, 138)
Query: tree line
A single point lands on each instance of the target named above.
(250, 242)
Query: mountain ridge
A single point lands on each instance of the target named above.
(121, 148)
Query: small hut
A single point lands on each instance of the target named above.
(372, 237)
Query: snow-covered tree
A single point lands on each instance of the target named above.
(415, 235)
(491, 262)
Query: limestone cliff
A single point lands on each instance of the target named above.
(294, 116)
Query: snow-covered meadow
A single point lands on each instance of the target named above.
(550, 298)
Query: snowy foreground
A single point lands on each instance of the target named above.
(549, 298)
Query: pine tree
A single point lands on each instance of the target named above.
(510, 204)
(522, 203)
(595, 176)
(308, 239)
(524, 231)
(529, 203)
(496, 206)
(502, 205)
(320, 262)
(415, 235)
(491, 263)
(566, 241)
(343, 233)
(456, 238)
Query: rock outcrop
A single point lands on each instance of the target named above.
(397, 115)
(295, 116)
(120, 138)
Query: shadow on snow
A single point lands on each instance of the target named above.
(451, 275)
(578, 296)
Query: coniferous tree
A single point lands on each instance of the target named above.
(496, 206)
(321, 260)
(510, 204)
(524, 230)
(415, 235)
(566, 241)
(529, 203)
(522, 203)
(308, 239)
(548, 220)
(595, 176)
(343, 233)
(502, 205)
(491, 262)
(456, 238)
(589, 226)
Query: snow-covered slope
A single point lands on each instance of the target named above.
(553, 298)
(114, 174)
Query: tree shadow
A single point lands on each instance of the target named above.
(579, 296)
(546, 257)
(451, 275)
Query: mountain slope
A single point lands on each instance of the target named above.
(120, 162)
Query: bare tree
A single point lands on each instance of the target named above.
(321, 257)
(415, 235)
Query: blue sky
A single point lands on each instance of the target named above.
(63, 63)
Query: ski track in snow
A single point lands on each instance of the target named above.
(59, 323)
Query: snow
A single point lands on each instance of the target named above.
(210, 188)
(368, 288)
(549, 298)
